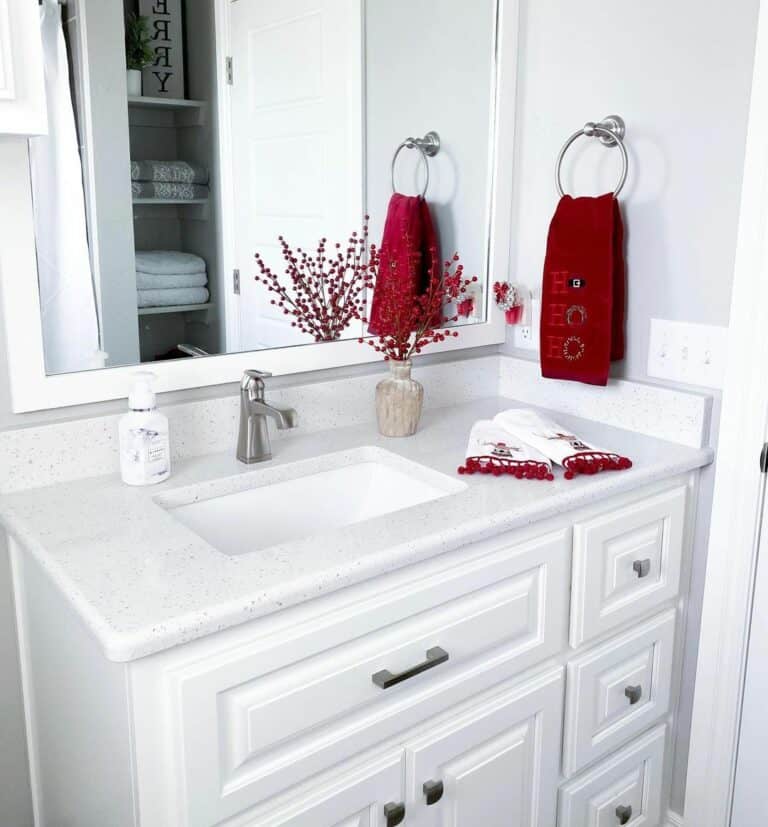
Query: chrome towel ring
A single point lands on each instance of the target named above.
(610, 131)
(428, 146)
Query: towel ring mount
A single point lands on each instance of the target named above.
(428, 146)
(610, 131)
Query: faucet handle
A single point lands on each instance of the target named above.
(256, 374)
(253, 383)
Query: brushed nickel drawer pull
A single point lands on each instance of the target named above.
(624, 814)
(433, 791)
(642, 567)
(394, 813)
(634, 693)
(435, 656)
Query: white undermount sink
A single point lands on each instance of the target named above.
(283, 503)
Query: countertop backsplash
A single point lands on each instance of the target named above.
(48, 454)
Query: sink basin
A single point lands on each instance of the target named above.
(283, 503)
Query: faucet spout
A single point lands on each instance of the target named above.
(285, 418)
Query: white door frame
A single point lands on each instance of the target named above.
(738, 488)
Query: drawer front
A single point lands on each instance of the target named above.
(623, 789)
(254, 723)
(617, 690)
(626, 563)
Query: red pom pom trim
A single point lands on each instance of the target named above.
(593, 462)
(528, 469)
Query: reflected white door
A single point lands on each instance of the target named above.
(297, 141)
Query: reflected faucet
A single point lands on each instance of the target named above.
(253, 439)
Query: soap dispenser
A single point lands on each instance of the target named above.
(145, 453)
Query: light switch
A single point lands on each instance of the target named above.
(694, 354)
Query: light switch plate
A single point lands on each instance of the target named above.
(694, 354)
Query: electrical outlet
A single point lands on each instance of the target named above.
(524, 336)
(694, 354)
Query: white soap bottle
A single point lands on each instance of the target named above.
(145, 451)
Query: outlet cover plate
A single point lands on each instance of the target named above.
(693, 354)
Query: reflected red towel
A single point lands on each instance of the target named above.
(584, 291)
(408, 255)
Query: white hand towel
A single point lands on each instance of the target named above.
(493, 450)
(559, 444)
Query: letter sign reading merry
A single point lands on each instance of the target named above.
(165, 77)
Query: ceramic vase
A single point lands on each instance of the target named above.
(133, 82)
(399, 400)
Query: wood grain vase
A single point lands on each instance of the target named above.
(399, 400)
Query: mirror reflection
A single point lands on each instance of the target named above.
(206, 158)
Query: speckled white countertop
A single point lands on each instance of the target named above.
(143, 582)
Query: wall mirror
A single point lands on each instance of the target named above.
(204, 130)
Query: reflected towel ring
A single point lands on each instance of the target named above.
(611, 132)
(428, 146)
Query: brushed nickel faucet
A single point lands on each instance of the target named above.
(253, 440)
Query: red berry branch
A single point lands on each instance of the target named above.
(410, 323)
(326, 291)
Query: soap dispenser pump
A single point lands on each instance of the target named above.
(145, 452)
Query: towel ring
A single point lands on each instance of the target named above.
(428, 146)
(611, 132)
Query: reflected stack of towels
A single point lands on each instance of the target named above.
(169, 180)
(167, 278)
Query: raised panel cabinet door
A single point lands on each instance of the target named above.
(22, 86)
(495, 766)
(369, 796)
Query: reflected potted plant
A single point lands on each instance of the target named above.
(138, 51)
(324, 292)
(406, 325)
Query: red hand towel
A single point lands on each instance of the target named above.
(408, 255)
(583, 295)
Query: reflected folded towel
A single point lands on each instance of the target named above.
(163, 190)
(168, 263)
(151, 281)
(172, 297)
(174, 172)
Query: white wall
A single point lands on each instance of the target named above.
(680, 75)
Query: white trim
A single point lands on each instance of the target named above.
(32, 389)
(673, 820)
(738, 488)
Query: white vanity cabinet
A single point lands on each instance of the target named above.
(526, 680)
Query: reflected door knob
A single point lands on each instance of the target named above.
(394, 814)
(624, 814)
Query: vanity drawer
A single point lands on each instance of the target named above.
(623, 789)
(617, 690)
(626, 563)
(269, 715)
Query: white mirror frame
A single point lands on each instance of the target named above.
(32, 389)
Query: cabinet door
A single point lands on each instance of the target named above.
(22, 87)
(496, 766)
(358, 798)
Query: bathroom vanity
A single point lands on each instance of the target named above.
(356, 635)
